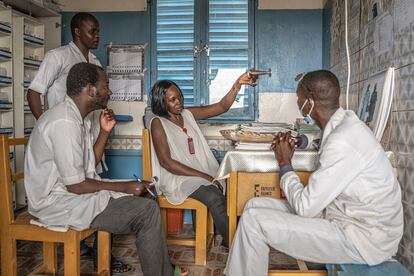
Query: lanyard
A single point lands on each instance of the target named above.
(190, 142)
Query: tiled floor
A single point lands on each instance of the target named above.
(30, 253)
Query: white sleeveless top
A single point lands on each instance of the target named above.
(177, 188)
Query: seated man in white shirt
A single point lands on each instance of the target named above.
(50, 80)
(62, 186)
(350, 211)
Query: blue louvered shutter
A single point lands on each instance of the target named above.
(175, 43)
(223, 25)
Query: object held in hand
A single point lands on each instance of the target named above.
(257, 73)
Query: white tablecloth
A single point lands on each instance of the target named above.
(265, 161)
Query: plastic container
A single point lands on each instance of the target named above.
(175, 220)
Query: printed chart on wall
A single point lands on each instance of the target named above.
(126, 71)
(376, 100)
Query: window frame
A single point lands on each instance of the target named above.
(201, 91)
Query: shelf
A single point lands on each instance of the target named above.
(4, 59)
(4, 33)
(33, 44)
(32, 8)
(32, 67)
(33, 40)
(2, 84)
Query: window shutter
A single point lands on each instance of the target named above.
(175, 42)
(228, 34)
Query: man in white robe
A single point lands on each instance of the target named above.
(350, 211)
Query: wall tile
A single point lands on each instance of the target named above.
(365, 64)
(404, 46)
(404, 88)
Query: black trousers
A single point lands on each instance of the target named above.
(216, 203)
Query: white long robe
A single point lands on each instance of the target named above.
(350, 211)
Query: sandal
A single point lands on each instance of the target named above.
(180, 271)
(119, 267)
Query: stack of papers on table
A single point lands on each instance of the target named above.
(252, 146)
(274, 128)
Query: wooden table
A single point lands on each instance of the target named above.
(256, 173)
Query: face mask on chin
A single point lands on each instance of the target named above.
(308, 118)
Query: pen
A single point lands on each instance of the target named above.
(148, 190)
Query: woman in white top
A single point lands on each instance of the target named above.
(183, 161)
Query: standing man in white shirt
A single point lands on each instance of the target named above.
(50, 80)
(62, 185)
(350, 211)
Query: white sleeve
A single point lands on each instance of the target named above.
(68, 150)
(339, 165)
(48, 72)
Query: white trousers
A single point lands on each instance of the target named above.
(271, 222)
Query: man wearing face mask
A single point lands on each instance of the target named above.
(350, 211)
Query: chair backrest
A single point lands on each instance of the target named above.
(146, 154)
(7, 178)
(148, 115)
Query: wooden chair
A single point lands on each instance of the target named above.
(204, 223)
(252, 185)
(19, 228)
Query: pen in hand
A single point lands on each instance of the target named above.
(148, 190)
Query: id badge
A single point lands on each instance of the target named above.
(190, 145)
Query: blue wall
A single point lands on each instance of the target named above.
(289, 42)
(326, 35)
(118, 28)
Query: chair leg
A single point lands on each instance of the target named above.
(210, 224)
(104, 253)
(164, 221)
(49, 258)
(8, 256)
(201, 236)
(210, 230)
(72, 254)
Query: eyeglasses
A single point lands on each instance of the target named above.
(300, 76)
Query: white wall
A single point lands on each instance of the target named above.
(102, 5)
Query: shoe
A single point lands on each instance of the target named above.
(119, 267)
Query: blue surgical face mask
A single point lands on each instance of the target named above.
(308, 117)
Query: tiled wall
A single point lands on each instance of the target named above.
(365, 63)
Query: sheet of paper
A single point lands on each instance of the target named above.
(124, 61)
(124, 89)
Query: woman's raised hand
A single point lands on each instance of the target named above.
(246, 78)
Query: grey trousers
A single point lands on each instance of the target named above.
(141, 216)
(216, 203)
